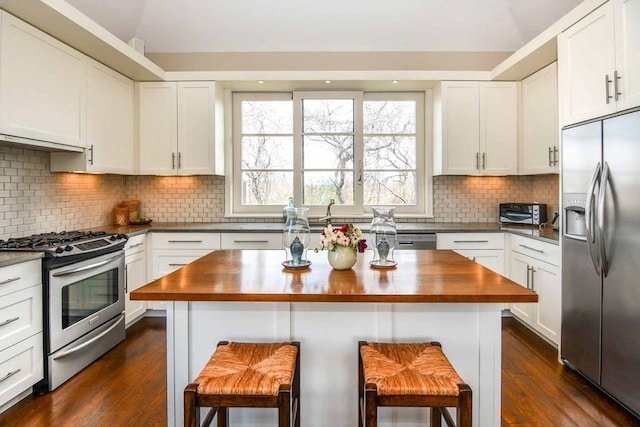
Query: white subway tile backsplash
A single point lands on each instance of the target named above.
(33, 200)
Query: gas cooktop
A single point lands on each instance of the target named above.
(65, 243)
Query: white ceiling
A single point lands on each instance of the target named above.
(326, 25)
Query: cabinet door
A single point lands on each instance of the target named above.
(493, 259)
(196, 116)
(499, 128)
(157, 128)
(135, 277)
(627, 36)
(519, 273)
(460, 128)
(585, 58)
(110, 125)
(538, 146)
(547, 312)
(42, 86)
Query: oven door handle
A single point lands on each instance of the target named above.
(86, 267)
(91, 341)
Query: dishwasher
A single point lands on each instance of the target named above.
(416, 241)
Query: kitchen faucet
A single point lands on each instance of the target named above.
(327, 217)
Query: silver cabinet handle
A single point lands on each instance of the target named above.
(134, 246)
(185, 241)
(588, 218)
(173, 160)
(250, 241)
(13, 279)
(528, 270)
(470, 241)
(91, 158)
(540, 251)
(179, 160)
(6, 322)
(9, 375)
(616, 77)
(533, 286)
(604, 265)
(484, 163)
(91, 341)
(555, 156)
(86, 267)
(550, 154)
(478, 161)
(177, 265)
(606, 88)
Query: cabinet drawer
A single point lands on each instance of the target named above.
(21, 366)
(542, 251)
(20, 276)
(470, 241)
(135, 244)
(20, 315)
(186, 240)
(168, 261)
(251, 241)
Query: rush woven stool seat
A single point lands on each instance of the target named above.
(410, 375)
(246, 375)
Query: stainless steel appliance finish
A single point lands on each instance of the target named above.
(416, 241)
(600, 252)
(522, 213)
(83, 298)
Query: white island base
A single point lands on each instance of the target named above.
(470, 334)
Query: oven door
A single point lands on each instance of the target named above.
(83, 296)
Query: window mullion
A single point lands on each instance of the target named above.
(297, 150)
(358, 155)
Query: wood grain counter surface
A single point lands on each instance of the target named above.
(435, 276)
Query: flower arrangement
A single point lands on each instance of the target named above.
(344, 235)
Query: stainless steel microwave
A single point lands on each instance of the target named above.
(523, 213)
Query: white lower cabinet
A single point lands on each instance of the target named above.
(21, 352)
(487, 249)
(135, 268)
(251, 241)
(171, 251)
(530, 265)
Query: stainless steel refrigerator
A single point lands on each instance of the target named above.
(601, 254)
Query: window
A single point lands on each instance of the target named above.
(359, 149)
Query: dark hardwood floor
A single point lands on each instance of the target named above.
(127, 387)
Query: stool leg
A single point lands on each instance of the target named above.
(191, 412)
(371, 408)
(361, 402)
(296, 387)
(464, 412)
(223, 417)
(284, 408)
(436, 417)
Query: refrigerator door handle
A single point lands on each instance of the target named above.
(589, 212)
(604, 265)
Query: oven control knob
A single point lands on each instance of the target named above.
(120, 236)
(68, 248)
(113, 237)
(59, 250)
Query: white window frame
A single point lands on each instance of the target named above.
(424, 192)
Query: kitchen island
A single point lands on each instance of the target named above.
(248, 296)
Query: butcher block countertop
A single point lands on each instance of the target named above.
(257, 275)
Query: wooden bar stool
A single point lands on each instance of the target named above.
(412, 375)
(247, 375)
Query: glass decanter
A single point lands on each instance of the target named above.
(383, 237)
(295, 237)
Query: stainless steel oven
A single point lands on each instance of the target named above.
(86, 305)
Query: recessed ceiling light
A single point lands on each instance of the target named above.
(261, 81)
(394, 81)
(327, 81)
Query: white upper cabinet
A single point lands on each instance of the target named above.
(476, 128)
(538, 146)
(177, 128)
(110, 126)
(598, 62)
(42, 86)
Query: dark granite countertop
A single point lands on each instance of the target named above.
(545, 234)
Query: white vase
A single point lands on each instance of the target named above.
(343, 257)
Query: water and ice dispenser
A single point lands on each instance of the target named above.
(574, 219)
